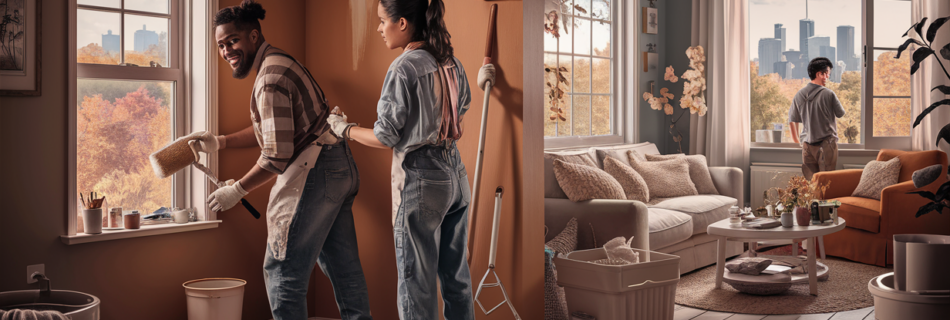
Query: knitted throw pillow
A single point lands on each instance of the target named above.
(877, 175)
(665, 179)
(582, 182)
(633, 184)
(555, 306)
(551, 187)
(698, 171)
(566, 241)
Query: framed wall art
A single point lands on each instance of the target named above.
(650, 20)
(20, 48)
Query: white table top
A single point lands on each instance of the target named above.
(722, 228)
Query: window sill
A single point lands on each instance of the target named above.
(798, 149)
(145, 231)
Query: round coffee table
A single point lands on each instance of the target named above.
(813, 233)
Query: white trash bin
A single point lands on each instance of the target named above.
(215, 298)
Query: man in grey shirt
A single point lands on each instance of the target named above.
(816, 107)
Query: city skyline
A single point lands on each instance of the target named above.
(825, 18)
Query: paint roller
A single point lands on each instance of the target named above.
(180, 154)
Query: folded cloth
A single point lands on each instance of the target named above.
(18, 314)
(619, 249)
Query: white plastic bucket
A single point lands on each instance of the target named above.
(215, 298)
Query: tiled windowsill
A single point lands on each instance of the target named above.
(145, 231)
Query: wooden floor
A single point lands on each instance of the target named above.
(687, 313)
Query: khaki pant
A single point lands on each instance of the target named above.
(821, 157)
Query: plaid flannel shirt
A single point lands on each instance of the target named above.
(287, 107)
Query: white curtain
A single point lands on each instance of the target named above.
(928, 76)
(722, 28)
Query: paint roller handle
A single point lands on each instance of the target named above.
(249, 207)
(490, 39)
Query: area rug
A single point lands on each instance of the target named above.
(846, 289)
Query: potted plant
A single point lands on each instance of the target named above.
(796, 197)
(918, 285)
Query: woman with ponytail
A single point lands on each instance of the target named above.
(424, 96)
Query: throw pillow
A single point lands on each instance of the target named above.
(665, 179)
(551, 187)
(566, 241)
(877, 175)
(619, 153)
(581, 182)
(555, 306)
(633, 185)
(749, 266)
(698, 170)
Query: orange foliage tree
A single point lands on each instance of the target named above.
(114, 140)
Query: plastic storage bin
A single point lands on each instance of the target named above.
(642, 291)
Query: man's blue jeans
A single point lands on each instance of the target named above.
(322, 232)
(431, 236)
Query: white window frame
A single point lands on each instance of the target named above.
(622, 77)
(868, 141)
(872, 142)
(192, 66)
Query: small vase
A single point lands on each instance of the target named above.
(803, 216)
(788, 220)
(92, 220)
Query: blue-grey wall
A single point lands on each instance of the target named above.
(672, 40)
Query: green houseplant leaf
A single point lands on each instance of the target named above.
(942, 192)
(926, 194)
(919, 55)
(906, 44)
(927, 111)
(943, 134)
(914, 27)
(927, 208)
(934, 26)
(920, 26)
(945, 52)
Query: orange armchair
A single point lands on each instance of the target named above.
(871, 224)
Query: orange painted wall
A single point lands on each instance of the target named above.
(136, 278)
(329, 57)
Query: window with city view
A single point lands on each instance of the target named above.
(786, 35)
(124, 112)
(578, 64)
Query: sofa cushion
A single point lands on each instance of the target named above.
(633, 184)
(861, 213)
(703, 209)
(551, 188)
(877, 175)
(665, 179)
(668, 227)
(620, 152)
(582, 182)
(698, 170)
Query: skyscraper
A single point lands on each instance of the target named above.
(769, 53)
(145, 38)
(111, 43)
(814, 46)
(806, 29)
(846, 47)
(780, 34)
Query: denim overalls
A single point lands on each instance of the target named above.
(430, 190)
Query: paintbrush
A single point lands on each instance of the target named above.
(83, 201)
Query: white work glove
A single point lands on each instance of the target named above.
(226, 197)
(338, 123)
(207, 142)
(486, 74)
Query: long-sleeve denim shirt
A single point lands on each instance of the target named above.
(409, 109)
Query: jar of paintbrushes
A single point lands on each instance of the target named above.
(92, 213)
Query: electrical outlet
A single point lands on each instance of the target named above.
(41, 268)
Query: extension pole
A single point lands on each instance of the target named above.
(481, 136)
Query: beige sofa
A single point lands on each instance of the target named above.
(674, 225)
